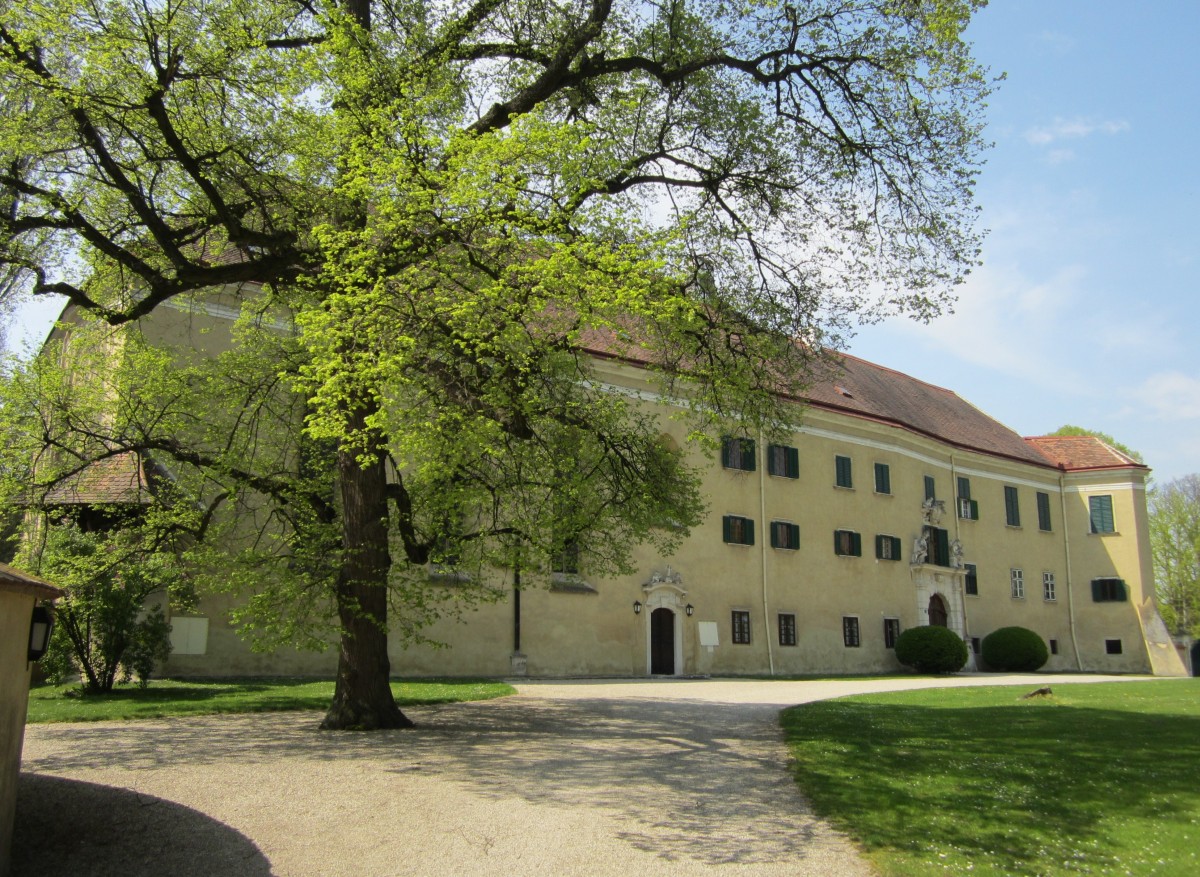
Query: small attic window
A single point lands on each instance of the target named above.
(842, 391)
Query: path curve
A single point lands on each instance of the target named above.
(590, 777)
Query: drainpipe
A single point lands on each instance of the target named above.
(960, 582)
(1062, 498)
(762, 507)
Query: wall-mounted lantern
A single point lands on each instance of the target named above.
(637, 607)
(689, 609)
(40, 626)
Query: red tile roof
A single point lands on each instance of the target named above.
(13, 580)
(1077, 452)
(118, 479)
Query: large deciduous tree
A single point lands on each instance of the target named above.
(1175, 545)
(453, 203)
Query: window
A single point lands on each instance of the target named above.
(738, 453)
(1017, 577)
(1048, 591)
(975, 645)
(1012, 511)
(930, 488)
(842, 473)
(785, 535)
(968, 508)
(1109, 591)
(567, 560)
(887, 547)
(937, 546)
(1101, 512)
(850, 631)
(883, 478)
(787, 629)
(738, 530)
(741, 627)
(847, 543)
(1112, 647)
(1054, 647)
(891, 631)
(1043, 504)
(971, 582)
(783, 461)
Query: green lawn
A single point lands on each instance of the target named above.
(1097, 779)
(172, 697)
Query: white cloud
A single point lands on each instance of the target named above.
(1072, 129)
(1169, 396)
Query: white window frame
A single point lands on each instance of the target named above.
(1016, 578)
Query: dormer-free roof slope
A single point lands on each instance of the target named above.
(1081, 452)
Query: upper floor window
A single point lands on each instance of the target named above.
(847, 543)
(785, 535)
(1100, 511)
(738, 530)
(842, 474)
(930, 487)
(883, 478)
(971, 582)
(937, 546)
(1012, 509)
(1017, 578)
(737, 453)
(888, 547)
(783, 461)
(967, 507)
(566, 560)
(1043, 506)
(1109, 591)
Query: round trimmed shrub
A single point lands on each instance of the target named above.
(1014, 650)
(931, 649)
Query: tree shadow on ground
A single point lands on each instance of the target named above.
(698, 782)
(65, 826)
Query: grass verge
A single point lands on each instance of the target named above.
(1097, 779)
(174, 697)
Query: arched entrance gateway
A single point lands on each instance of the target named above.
(664, 604)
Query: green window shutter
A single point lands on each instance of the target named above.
(749, 531)
(1101, 511)
(775, 525)
(856, 544)
(748, 461)
(895, 547)
(793, 462)
(930, 487)
(1120, 592)
(843, 472)
(964, 488)
(879, 546)
(1043, 509)
(883, 478)
(974, 510)
(726, 451)
(727, 528)
(837, 541)
(1097, 591)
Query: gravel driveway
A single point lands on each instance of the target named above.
(566, 778)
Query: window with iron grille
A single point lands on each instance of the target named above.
(787, 629)
(850, 631)
(888, 547)
(741, 627)
(891, 632)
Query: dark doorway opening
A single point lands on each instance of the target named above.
(1196, 658)
(662, 642)
(937, 611)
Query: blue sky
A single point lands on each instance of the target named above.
(1084, 310)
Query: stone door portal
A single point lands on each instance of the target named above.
(662, 642)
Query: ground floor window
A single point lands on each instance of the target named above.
(1112, 647)
(787, 629)
(1054, 647)
(1048, 589)
(891, 631)
(850, 631)
(741, 627)
(975, 645)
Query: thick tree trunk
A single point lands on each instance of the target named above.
(362, 697)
